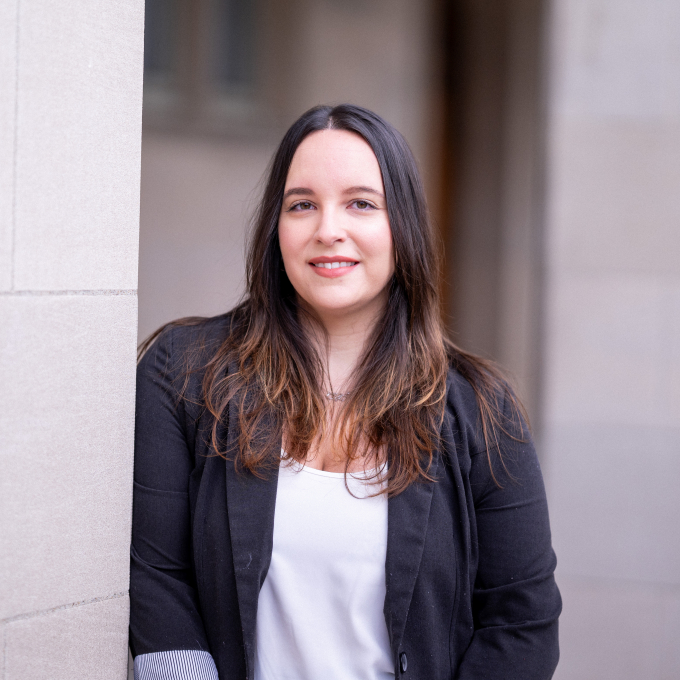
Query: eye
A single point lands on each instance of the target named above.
(301, 206)
(362, 204)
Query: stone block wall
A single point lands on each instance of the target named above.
(70, 135)
(612, 334)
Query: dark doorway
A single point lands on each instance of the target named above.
(493, 213)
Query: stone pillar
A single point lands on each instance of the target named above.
(70, 129)
(612, 372)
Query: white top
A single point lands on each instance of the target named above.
(320, 611)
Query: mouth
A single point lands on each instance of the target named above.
(333, 266)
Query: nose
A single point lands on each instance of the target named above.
(330, 229)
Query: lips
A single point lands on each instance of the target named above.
(333, 266)
(331, 259)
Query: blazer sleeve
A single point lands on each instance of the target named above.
(515, 600)
(167, 635)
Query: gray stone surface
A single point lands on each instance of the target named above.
(612, 371)
(67, 368)
(626, 174)
(614, 501)
(673, 343)
(70, 128)
(72, 643)
(618, 630)
(8, 34)
(612, 348)
(79, 139)
(614, 59)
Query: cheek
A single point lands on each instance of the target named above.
(383, 250)
(289, 246)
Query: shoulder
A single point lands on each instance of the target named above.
(463, 410)
(187, 341)
(195, 333)
(487, 417)
(460, 395)
(176, 356)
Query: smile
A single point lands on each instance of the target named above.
(333, 265)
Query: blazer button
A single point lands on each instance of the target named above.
(403, 662)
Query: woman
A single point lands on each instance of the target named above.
(324, 486)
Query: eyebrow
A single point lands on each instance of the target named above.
(304, 191)
(363, 189)
(298, 191)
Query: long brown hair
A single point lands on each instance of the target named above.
(268, 363)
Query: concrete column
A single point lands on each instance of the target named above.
(70, 128)
(612, 411)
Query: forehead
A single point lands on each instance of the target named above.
(334, 157)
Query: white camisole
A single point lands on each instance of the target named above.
(320, 610)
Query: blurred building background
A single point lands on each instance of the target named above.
(548, 133)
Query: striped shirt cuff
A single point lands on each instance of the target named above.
(179, 664)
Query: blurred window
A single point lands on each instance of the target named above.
(233, 43)
(200, 60)
(160, 42)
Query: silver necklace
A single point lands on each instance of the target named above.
(337, 396)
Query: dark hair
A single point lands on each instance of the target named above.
(399, 392)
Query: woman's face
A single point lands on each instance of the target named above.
(334, 232)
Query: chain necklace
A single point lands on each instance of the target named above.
(337, 396)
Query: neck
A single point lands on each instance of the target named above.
(342, 349)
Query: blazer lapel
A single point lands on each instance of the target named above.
(250, 506)
(407, 519)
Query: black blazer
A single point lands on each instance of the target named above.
(469, 569)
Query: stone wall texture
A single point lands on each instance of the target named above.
(70, 141)
(612, 334)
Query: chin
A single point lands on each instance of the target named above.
(334, 308)
(331, 304)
